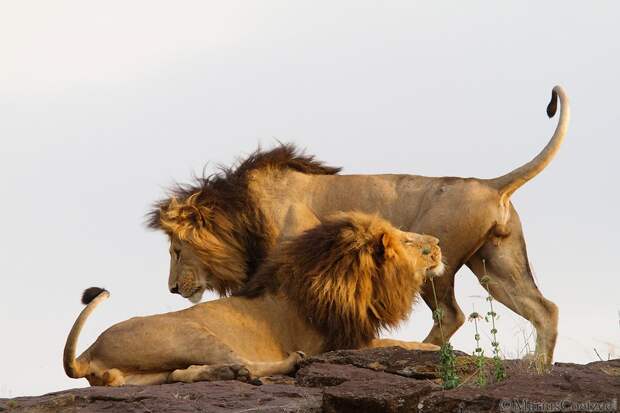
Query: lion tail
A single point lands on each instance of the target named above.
(509, 183)
(79, 368)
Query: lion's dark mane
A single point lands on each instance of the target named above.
(226, 192)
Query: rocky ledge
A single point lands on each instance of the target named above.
(374, 380)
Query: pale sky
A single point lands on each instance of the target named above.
(104, 104)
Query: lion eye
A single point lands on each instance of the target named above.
(177, 255)
(426, 251)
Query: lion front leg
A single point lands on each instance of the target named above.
(409, 345)
(243, 372)
(269, 368)
(452, 317)
(209, 373)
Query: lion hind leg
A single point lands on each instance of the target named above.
(145, 379)
(113, 378)
(510, 282)
(209, 373)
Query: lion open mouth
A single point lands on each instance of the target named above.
(437, 269)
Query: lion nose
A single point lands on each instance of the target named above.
(175, 289)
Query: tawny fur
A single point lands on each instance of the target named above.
(373, 271)
(224, 227)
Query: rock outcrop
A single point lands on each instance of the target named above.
(373, 380)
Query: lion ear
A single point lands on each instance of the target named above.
(388, 243)
(186, 212)
(195, 213)
(410, 238)
(199, 216)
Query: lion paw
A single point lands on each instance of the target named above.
(211, 373)
(242, 373)
(299, 357)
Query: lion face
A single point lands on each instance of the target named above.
(426, 252)
(206, 251)
(188, 275)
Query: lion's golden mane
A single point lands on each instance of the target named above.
(350, 276)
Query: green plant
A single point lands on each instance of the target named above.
(447, 358)
(499, 371)
(481, 377)
(449, 376)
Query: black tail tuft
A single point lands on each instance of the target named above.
(90, 294)
(552, 107)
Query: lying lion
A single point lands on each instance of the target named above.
(340, 283)
(222, 228)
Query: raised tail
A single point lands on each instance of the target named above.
(77, 368)
(509, 183)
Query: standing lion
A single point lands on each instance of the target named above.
(222, 228)
(340, 284)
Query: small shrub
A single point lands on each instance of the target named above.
(499, 371)
(447, 358)
(481, 376)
